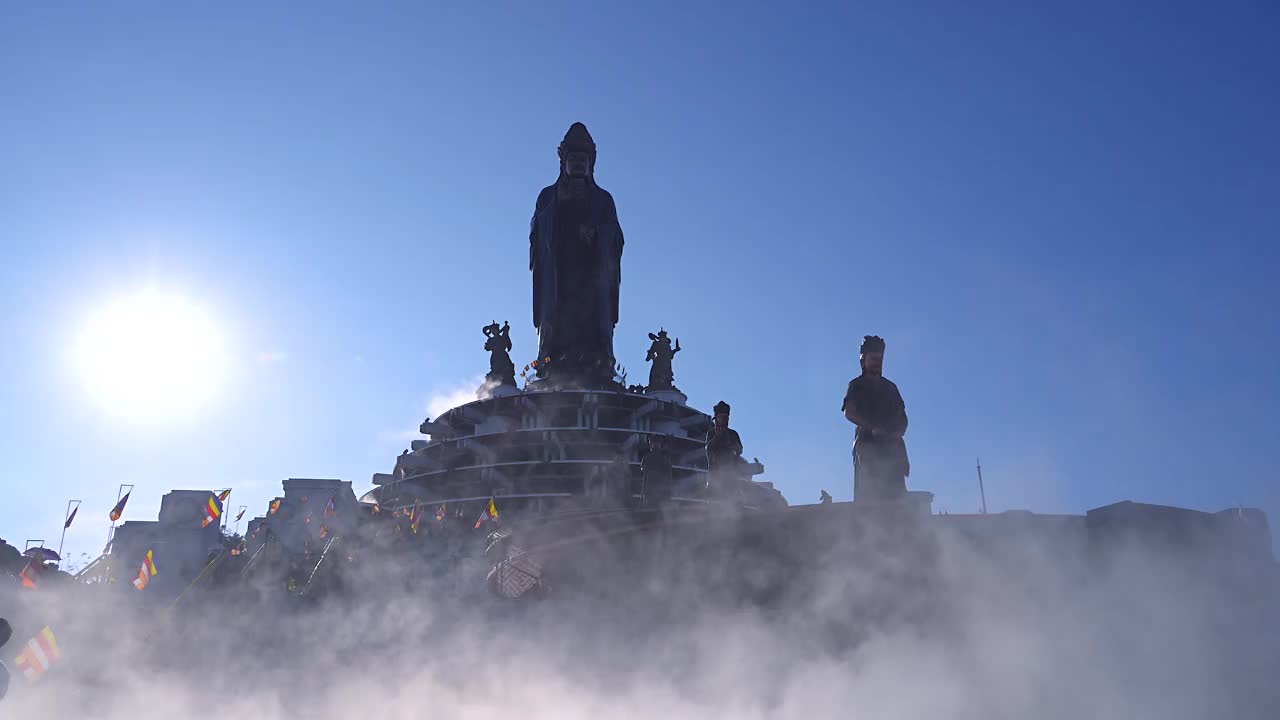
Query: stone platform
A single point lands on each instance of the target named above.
(551, 450)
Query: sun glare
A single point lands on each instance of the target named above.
(150, 357)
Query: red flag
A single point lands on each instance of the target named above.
(118, 510)
(71, 517)
(28, 576)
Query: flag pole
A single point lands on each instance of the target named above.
(119, 494)
(982, 490)
(65, 517)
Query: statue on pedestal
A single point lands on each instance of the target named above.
(661, 376)
(501, 370)
(724, 453)
(655, 474)
(575, 253)
(873, 403)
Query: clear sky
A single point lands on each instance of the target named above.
(1063, 221)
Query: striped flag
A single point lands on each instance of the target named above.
(118, 510)
(39, 654)
(145, 572)
(275, 505)
(440, 513)
(71, 517)
(212, 511)
(330, 508)
(490, 513)
(415, 516)
(324, 531)
(28, 576)
(222, 496)
(239, 515)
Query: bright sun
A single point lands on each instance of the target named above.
(150, 357)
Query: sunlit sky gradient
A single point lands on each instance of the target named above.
(1064, 222)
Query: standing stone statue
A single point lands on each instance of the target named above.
(724, 452)
(498, 342)
(873, 403)
(661, 377)
(575, 253)
(655, 474)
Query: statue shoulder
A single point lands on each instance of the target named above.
(606, 200)
(545, 198)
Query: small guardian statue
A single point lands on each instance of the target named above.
(661, 353)
(502, 371)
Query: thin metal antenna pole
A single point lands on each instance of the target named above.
(981, 489)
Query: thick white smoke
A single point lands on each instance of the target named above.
(865, 626)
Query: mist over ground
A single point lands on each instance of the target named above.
(896, 623)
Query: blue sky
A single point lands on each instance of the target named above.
(1063, 221)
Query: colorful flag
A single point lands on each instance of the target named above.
(275, 505)
(212, 510)
(39, 654)
(222, 496)
(415, 516)
(324, 531)
(490, 513)
(331, 508)
(118, 510)
(239, 515)
(145, 572)
(377, 508)
(71, 517)
(28, 575)
(440, 513)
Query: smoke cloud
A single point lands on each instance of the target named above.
(825, 622)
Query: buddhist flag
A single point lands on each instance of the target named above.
(415, 516)
(324, 531)
(330, 508)
(145, 572)
(118, 510)
(212, 511)
(28, 576)
(490, 513)
(239, 515)
(222, 496)
(440, 513)
(275, 505)
(39, 654)
(71, 517)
